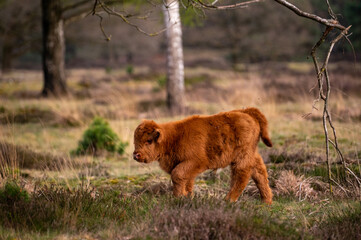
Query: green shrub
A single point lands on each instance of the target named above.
(100, 136)
(2, 109)
(129, 69)
(12, 193)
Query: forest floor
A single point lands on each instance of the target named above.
(48, 193)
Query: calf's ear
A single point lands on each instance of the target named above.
(157, 135)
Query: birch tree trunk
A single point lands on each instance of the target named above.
(175, 65)
(53, 49)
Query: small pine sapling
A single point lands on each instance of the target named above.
(98, 137)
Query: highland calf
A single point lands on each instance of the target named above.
(190, 146)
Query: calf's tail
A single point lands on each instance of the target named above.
(256, 114)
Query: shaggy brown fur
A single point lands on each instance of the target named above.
(190, 146)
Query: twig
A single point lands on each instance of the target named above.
(342, 188)
(107, 38)
(110, 11)
(201, 4)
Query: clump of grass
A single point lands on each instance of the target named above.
(43, 115)
(100, 137)
(342, 223)
(13, 157)
(9, 165)
(27, 114)
(290, 184)
(58, 208)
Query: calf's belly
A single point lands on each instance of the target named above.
(220, 161)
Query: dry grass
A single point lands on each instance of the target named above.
(9, 165)
(22, 157)
(289, 184)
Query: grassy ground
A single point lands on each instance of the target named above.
(109, 196)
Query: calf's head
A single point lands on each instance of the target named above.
(147, 139)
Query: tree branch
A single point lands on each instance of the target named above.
(223, 7)
(112, 12)
(327, 22)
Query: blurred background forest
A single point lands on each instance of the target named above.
(262, 32)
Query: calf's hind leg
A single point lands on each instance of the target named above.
(240, 178)
(260, 177)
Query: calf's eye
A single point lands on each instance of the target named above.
(149, 141)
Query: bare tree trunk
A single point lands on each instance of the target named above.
(175, 65)
(53, 49)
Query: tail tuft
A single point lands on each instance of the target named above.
(267, 141)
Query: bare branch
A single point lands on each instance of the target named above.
(330, 11)
(112, 12)
(327, 22)
(107, 38)
(322, 74)
(200, 3)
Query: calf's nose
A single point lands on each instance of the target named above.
(136, 156)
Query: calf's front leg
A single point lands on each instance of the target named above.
(183, 177)
(179, 180)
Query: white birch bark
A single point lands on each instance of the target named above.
(175, 65)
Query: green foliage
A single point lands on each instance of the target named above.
(162, 81)
(121, 147)
(12, 193)
(191, 17)
(129, 69)
(100, 136)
